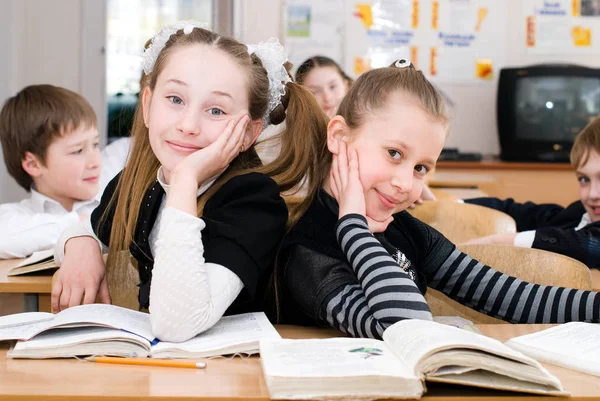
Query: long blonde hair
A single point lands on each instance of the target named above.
(302, 142)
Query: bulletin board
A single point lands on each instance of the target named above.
(313, 27)
(562, 26)
(449, 40)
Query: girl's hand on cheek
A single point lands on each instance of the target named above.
(207, 162)
(346, 187)
(344, 182)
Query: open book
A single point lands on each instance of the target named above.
(39, 261)
(571, 345)
(99, 329)
(411, 351)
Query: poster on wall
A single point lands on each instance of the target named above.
(562, 26)
(313, 27)
(469, 40)
(449, 40)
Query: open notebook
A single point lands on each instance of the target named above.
(99, 329)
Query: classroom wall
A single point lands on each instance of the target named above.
(61, 42)
(474, 126)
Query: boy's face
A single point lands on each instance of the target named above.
(588, 176)
(397, 146)
(72, 167)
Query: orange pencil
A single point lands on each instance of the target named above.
(148, 362)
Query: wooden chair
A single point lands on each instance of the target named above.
(461, 222)
(440, 194)
(528, 264)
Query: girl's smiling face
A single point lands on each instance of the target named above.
(397, 146)
(198, 92)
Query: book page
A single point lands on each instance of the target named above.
(22, 326)
(19, 319)
(334, 357)
(106, 315)
(572, 345)
(246, 328)
(80, 335)
(66, 343)
(37, 257)
(83, 316)
(413, 340)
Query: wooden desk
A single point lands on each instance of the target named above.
(237, 379)
(36, 288)
(535, 182)
(595, 279)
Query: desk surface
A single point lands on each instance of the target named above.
(238, 379)
(39, 284)
(500, 165)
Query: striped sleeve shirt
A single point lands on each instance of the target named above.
(385, 293)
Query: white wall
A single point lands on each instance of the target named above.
(474, 126)
(56, 42)
(259, 20)
(61, 42)
(11, 17)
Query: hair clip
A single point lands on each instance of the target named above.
(402, 63)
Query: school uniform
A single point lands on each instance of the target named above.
(35, 223)
(240, 229)
(336, 272)
(568, 231)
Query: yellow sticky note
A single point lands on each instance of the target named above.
(414, 56)
(484, 68)
(365, 14)
(359, 65)
(435, 10)
(582, 37)
(415, 14)
(531, 31)
(576, 8)
(433, 61)
(481, 13)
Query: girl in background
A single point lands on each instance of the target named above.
(326, 80)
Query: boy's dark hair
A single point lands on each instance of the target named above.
(588, 139)
(33, 118)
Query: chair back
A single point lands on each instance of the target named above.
(461, 222)
(528, 264)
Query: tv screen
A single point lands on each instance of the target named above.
(542, 108)
(555, 109)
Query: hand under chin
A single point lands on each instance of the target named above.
(379, 224)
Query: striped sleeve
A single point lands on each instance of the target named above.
(486, 290)
(384, 294)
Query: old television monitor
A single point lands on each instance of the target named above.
(541, 108)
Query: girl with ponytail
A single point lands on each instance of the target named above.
(194, 206)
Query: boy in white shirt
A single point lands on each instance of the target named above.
(51, 148)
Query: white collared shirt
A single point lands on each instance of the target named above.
(525, 239)
(188, 295)
(35, 223)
